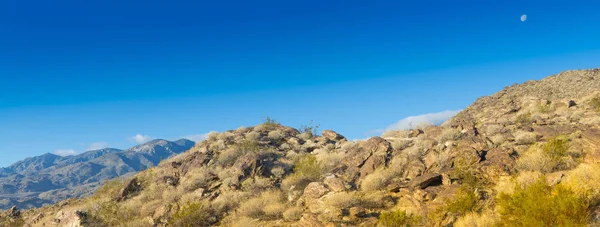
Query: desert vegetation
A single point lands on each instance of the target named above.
(522, 158)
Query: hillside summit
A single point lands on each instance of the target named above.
(526, 156)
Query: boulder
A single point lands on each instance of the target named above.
(414, 133)
(74, 218)
(572, 103)
(426, 180)
(335, 184)
(37, 218)
(358, 212)
(14, 212)
(315, 190)
(131, 189)
(331, 135)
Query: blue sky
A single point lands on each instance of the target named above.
(85, 74)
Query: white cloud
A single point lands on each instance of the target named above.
(197, 137)
(139, 138)
(97, 146)
(65, 152)
(430, 118)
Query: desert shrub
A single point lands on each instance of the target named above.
(556, 147)
(229, 200)
(342, 200)
(306, 169)
(111, 189)
(491, 130)
(268, 206)
(551, 156)
(148, 208)
(483, 219)
(595, 103)
(525, 138)
(374, 200)
(538, 204)
(109, 213)
(197, 178)
(329, 160)
(545, 107)
(585, 182)
(466, 200)
(228, 156)
(397, 218)
(449, 134)
(400, 144)
(247, 145)
(275, 135)
(270, 124)
(257, 184)
(252, 136)
(535, 159)
(498, 139)
(524, 119)
(193, 214)
(376, 180)
(11, 222)
(293, 213)
(309, 130)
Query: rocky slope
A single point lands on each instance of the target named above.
(525, 156)
(50, 178)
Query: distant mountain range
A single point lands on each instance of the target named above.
(50, 178)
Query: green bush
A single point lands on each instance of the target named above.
(192, 214)
(109, 213)
(270, 123)
(306, 169)
(556, 147)
(524, 119)
(595, 103)
(538, 204)
(466, 200)
(397, 218)
(310, 130)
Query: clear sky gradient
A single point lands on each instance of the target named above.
(85, 74)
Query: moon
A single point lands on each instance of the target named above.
(523, 17)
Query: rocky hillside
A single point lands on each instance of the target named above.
(50, 178)
(526, 156)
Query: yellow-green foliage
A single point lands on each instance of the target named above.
(556, 147)
(595, 102)
(551, 156)
(12, 222)
(109, 213)
(306, 169)
(110, 189)
(268, 206)
(545, 108)
(585, 181)
(483, 219)
(538, 204)
(524, 119)
(293, 213)
(343, 200)
(192, 214)
(397, 218)
(270, 123)
(466, 200)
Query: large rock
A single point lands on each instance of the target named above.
(315, 190)
(335, 184)
(14, 212)
(426, 180)
(75, 218)
(131, 189)
(331, 135)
